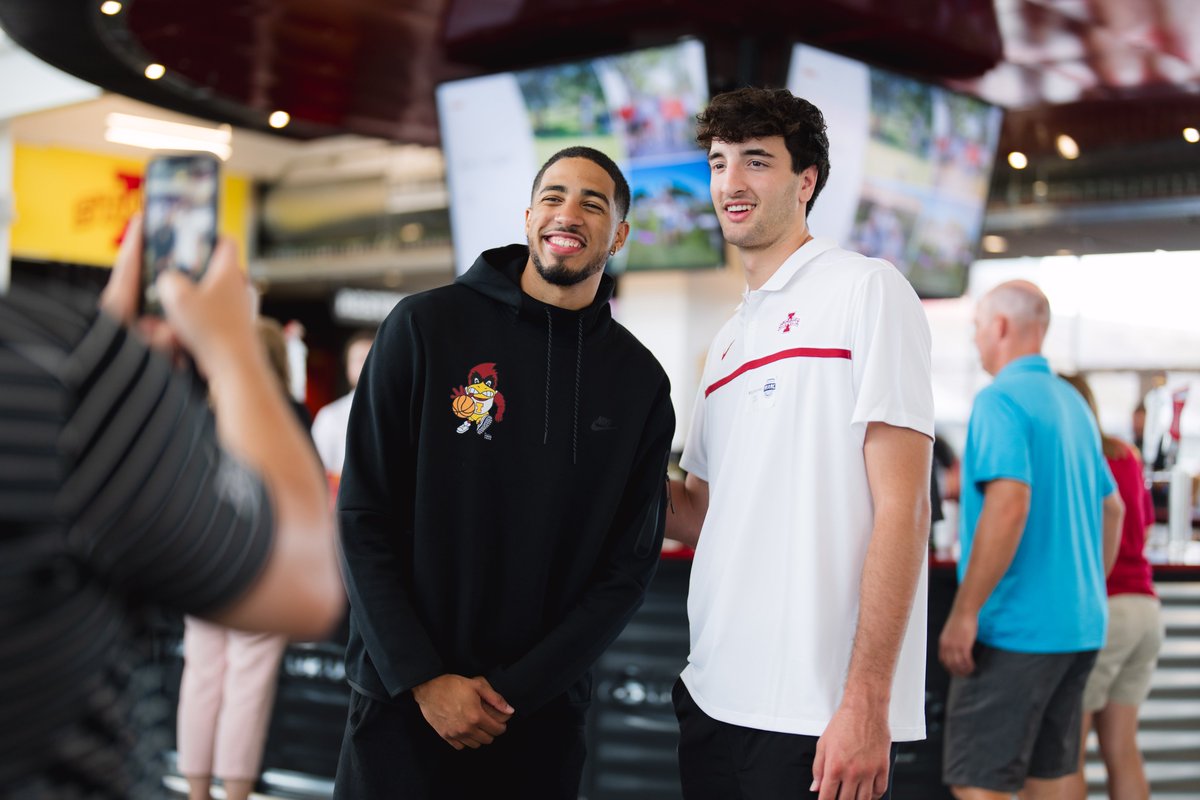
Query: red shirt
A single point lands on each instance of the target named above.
(1132, 573)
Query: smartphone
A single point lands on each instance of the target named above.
(179, 229)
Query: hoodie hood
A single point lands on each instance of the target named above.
(497, 274)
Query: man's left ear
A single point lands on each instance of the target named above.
(619, 240)
(808, 183)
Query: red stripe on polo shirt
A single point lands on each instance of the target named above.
(795, 352)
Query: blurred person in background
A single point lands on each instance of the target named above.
(275, 341)
(1040, 520)
(947, 469)
(1137, 422)
(118, 496)
(329, 427)
(1120, 681)
(229, 676)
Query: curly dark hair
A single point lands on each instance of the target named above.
(620, 185)
(758, 113)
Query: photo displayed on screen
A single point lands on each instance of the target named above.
(910, 165)
(180, 217)
(639, 108)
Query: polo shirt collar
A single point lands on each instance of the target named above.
(1018, 366)
(788, 269)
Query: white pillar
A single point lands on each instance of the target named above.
(676, 314)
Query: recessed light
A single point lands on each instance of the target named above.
(1017, 160)
(995, 244)
(1191, 135)
(279, 119)
(110, 7)
(155, 71)
(1068, 148)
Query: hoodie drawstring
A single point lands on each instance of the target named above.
(578, 376)
(549, 343)
(578, 384)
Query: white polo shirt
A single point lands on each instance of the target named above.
(831, 342)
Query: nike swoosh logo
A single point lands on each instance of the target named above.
(603, 425)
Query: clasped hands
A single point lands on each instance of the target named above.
(466, 712)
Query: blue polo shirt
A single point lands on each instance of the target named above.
(1033, 427)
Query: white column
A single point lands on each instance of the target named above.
(676, 314)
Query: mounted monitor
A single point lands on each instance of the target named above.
(910, 165)
(637, 107)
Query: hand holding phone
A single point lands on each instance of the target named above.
(180, 226)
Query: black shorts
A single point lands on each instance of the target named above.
(719, 761)
(1016, 716)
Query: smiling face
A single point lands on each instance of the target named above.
(573, 224)
(759, 201)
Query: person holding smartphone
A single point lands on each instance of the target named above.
(119, 494)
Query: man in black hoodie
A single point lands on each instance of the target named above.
(501, 508)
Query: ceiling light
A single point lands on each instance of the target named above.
(1068, 148)
(995, 244)
(1041, 188)
(1191, 135)
(1017, 160)
(110, 7)
(279, 119)
(1064, 251)
(157, 134)
(155, 71)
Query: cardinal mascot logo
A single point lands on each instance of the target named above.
(479, 402)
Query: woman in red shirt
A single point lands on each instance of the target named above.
(1120, 681)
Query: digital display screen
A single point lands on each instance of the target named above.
(639, 108)
(910, 165)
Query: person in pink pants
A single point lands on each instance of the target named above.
(225, 704)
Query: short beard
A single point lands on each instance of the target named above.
(561, 275)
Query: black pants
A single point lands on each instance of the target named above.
(719, 761)
(390, 751)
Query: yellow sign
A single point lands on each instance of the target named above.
(72, 206)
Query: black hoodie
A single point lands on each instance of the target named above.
(516, 541)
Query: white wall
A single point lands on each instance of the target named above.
(677, 314)
(33, 85)
(1112, 315)
(28, 85)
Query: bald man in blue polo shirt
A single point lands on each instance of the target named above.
(1040, 525)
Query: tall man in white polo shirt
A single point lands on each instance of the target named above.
(807, 495)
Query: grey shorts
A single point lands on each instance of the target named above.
(1126, 664)
(1016, 716)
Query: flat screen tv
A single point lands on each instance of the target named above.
(910, 165)
(638, 107)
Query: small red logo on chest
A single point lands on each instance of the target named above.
(789, 323)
